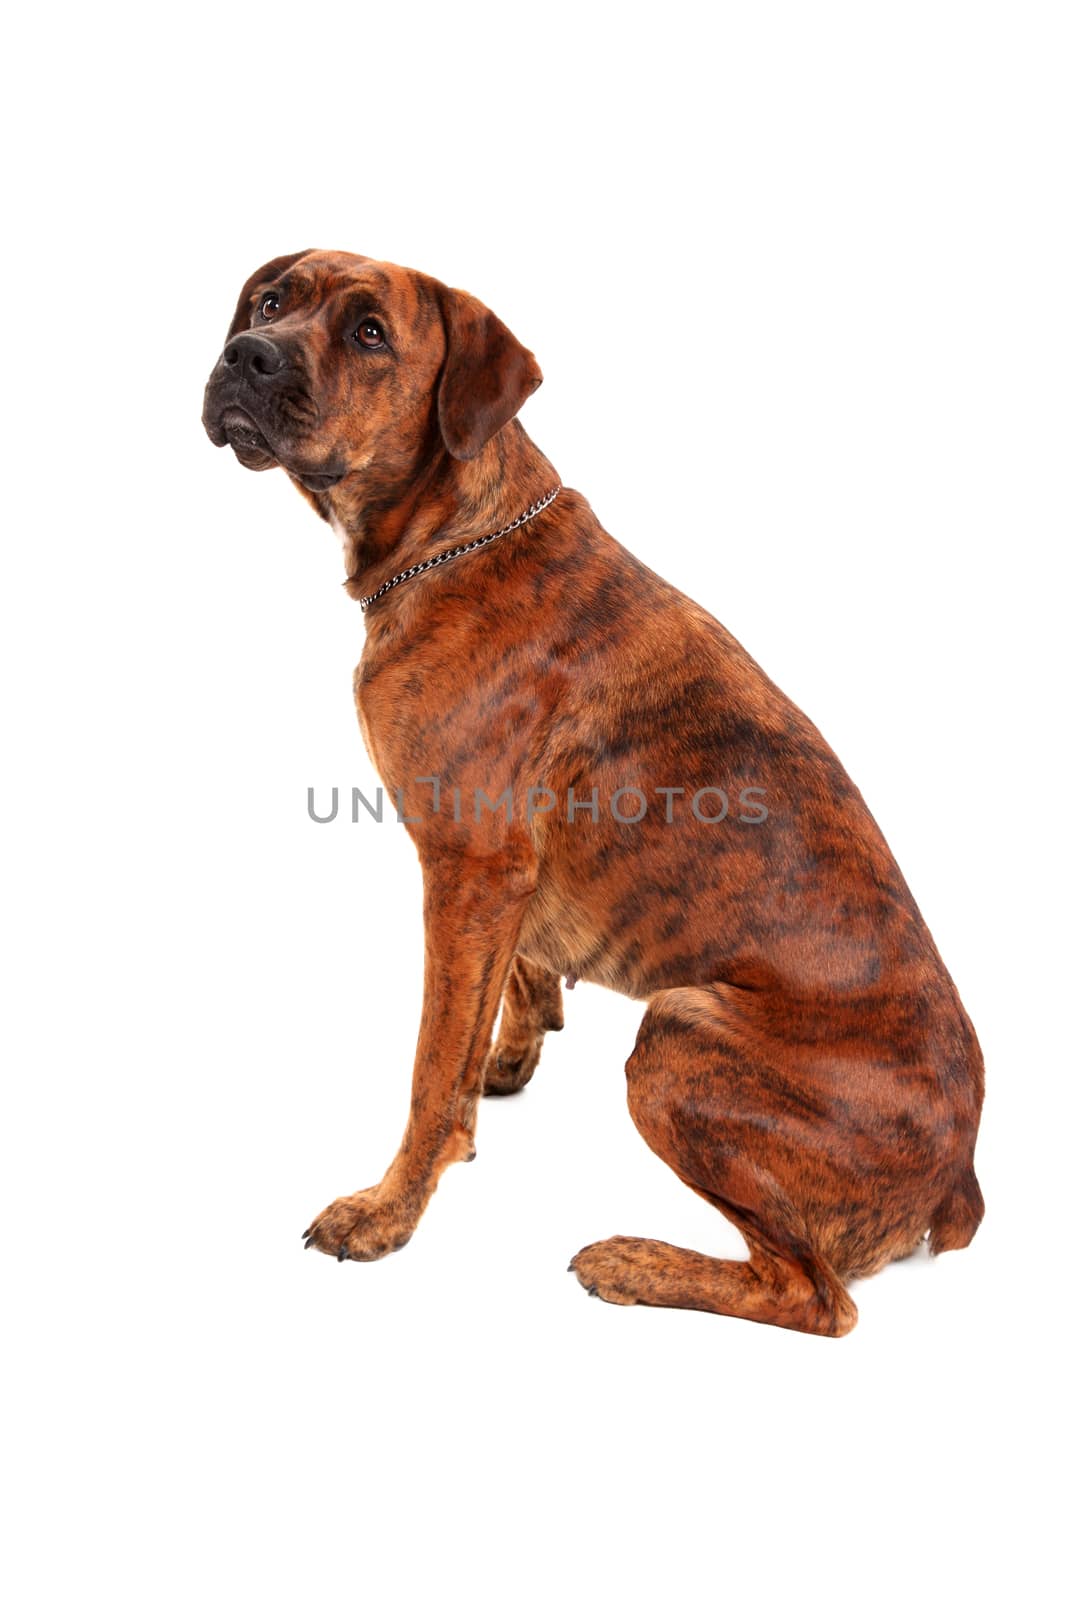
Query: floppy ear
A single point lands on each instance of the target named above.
(242, 317)
(486, 377)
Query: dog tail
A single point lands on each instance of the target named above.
(955, 1222)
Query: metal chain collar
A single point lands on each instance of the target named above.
(461, 549)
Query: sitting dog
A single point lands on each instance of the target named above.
(602, 784)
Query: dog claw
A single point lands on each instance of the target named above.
(306, 1234)
(308, 1241)
(342, 1254)
(593, 1295)
(571, 1268)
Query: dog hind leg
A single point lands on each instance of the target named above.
(768, 1287)
(701, 1099)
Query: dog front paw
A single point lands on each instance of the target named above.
(510, 1069)
(361, 1227)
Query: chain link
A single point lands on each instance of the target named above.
(461, 549)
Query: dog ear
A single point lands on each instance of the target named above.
(486, 378)
(266, 274)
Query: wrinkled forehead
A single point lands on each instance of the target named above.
(334, 279)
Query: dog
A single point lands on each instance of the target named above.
(565, 729)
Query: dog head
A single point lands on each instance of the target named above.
(335, 365)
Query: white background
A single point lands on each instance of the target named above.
(795, 276)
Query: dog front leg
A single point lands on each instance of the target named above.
(533, 1006)
(473, 910)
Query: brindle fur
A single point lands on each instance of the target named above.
(804, 1061)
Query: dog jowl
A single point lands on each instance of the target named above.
(804, 1061)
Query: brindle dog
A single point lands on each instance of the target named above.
(804, 1062)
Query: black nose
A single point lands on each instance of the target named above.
(253, 357)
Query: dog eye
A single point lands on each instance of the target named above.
(268, 306)
(369, 333)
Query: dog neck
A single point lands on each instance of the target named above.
(447, 502)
